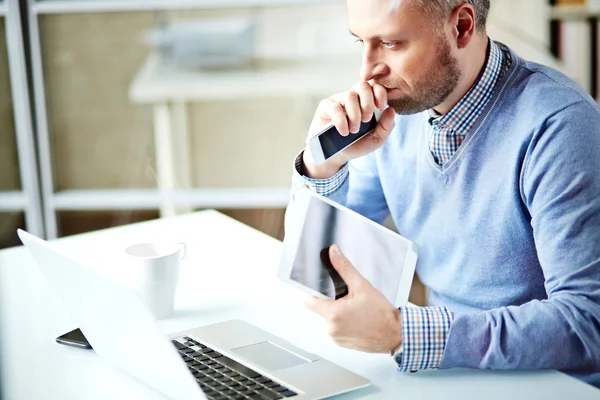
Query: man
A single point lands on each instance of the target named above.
(491, 164)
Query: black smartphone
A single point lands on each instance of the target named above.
(75, 338)
(328, 142)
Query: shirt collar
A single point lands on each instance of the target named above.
(463, 115)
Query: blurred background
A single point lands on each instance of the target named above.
(117, 111)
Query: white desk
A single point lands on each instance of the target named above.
(229, 272)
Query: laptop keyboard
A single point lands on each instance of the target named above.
(222, 378)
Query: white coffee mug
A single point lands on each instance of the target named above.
(152, 270)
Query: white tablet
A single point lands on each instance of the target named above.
(386, 259)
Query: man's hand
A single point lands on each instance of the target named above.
(347, 110)
(362, 320)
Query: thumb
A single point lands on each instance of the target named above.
(385, 126)
(344, 267)
(318, 306)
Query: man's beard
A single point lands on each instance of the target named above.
(439, 81)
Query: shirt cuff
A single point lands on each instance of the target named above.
(324, 187)
(424, 336)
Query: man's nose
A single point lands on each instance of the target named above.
(372, 67)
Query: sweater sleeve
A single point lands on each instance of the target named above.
(560, 187)
(362, 191)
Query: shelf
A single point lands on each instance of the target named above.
(507, 34)
(158, 81)
(74, 6)
(146, 199)
(13, 201)
(583, 12)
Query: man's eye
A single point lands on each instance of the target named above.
(359, 41)
(389, 45)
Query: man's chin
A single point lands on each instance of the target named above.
(406, 106)
(394, 93)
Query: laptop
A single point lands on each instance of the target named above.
(227, 360)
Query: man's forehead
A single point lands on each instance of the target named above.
(385, 4)
(378, 8)
(394, 4)
(370, 16)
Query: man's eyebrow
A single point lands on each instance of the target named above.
(358, 37)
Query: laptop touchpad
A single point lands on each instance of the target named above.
(269, 356)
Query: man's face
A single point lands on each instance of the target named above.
(404, 53)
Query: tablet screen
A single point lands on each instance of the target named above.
(376, 252)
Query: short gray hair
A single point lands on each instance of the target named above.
(440, 9)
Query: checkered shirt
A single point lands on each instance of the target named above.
(424, 335)
(324, 187)
(450, 130)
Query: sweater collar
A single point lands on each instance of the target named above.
(464, 114)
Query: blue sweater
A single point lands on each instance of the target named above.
(509, 229)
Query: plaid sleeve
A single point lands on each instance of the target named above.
(424, 335)
(324, 187)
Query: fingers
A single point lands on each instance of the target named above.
(352, 104)
(367, 105)
(347, 110)
(342, 265)
(318, 306)
(357, 105)
(380, 96)
(336, 113)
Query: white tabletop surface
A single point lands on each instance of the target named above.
(229, 272)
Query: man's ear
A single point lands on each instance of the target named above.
(464, 27)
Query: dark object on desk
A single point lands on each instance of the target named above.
(74, 338)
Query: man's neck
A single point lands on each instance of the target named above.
(471, 69)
